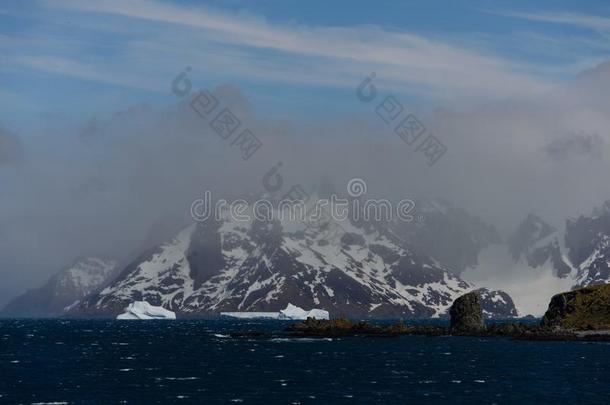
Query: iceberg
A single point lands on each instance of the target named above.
(143, 310)
(251, 315)
(291, 312)
(318, 314)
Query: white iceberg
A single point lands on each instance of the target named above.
(295, 313)
(251, 315)
(291, 312)
(318, 314)
(143, 310)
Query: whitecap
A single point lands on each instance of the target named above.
(49, 403)
(302, 340)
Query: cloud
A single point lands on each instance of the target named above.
(592, 22)
(79, 70)
(106, 183)
(11, 148)
(575, 144)
(331, 54)
(511, 147)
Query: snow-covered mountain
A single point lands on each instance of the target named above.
(587, 241)
(63, 289)
(497, 304)
(580, 253)
(537, 243)
(225, 265)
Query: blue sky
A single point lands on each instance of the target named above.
(65, 60)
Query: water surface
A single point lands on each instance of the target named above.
(80, 361)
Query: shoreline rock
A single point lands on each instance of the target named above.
(583, 309)
(466, 314)
(579, 315)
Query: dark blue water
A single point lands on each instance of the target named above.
(191, 361)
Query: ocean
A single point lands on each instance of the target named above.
(103, 362)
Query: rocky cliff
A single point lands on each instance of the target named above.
(583, 309)
(467, 314)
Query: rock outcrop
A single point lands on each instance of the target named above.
(581, 310)
(466, 314)
(580, 315)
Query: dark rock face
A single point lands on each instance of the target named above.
(449, 234)
(531, 230)
(466, 314)
(583, 309)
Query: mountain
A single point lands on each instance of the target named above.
(223, 265)
(448, 233)
(496, 304)
(526, 239)
(580, 253)
(63, 289)
(588, 243)
(537, 243)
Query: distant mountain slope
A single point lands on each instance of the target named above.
(588, 243)
(448, 233)
(580, 253)
(226, 265)
(63, 289)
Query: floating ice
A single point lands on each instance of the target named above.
(318, 314)
(296, 313)
(291, 312)
(143, 310)
(251, 315)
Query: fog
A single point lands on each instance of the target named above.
(122, 182)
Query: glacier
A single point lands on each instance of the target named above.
(143, 310)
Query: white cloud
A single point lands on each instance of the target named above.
(582, 20)
(79, 70)
(325, 55)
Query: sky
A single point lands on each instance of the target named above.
(289, 57)
(95, 147)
